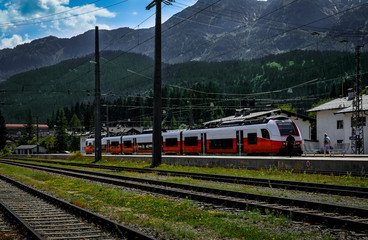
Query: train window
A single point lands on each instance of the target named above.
(221, 144)
(171, 142)
(145, 146)
(252, 138)
(191, 141)
(128, 144)
(265, 133)
(285, 127)
(115, 144)
(103, 147)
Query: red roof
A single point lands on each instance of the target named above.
(22, 125)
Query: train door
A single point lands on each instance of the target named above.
(204, 143)
(135, 145)
(240, 142)
(266, 141)
(121, 144)
(181, 143)
(108, 146)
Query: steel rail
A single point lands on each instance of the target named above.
(113, 227)
(23, 228)
(360, 192)
(291, 207)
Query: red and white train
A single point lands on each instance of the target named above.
(267, 136)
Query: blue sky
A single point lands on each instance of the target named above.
(22, 21)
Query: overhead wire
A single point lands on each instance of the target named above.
(184, 20)
(27, 21)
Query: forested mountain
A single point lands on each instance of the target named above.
(214, 30)
(209, 90)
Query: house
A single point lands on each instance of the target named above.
(334, 118)
(303, 122)
(16, 130)
(29, 149)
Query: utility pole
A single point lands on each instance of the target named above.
(357, 136)
(107, 120)
(97, 100)
(157, 91)
(38, 147)
(191, 121)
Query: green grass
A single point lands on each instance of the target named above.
(272, 173)
(166, 218)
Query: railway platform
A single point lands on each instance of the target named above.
(355, 165)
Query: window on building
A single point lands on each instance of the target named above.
(340, 141)
(340, 124)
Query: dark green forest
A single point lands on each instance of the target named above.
(200, 91)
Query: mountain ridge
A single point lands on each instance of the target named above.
(213, 30)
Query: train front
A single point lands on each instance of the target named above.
(285, 126)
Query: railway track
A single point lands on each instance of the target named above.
(360, 192)
(333, 216)
(40, 216)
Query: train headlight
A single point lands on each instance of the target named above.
(297, 143)
(284, 143)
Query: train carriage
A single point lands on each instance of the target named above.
(115, 145)
(171, 142)
(90, 142)
(143, 143)
(223, 140)
(192, 141)
(267, 136)
(128, 144)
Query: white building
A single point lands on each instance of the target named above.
(29, 149)
(334, 118)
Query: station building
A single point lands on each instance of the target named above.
(335, 119)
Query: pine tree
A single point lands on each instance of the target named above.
(60, 133)
(29, 130)
(75, 124)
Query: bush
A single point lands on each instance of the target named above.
(6, 151)
(76, 156)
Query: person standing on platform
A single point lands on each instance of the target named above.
(326, 145)
(290, 140)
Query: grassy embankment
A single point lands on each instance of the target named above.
(163, 217)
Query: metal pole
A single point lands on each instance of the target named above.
(97, 100)
(357, 144)
(157, 92)
(107, 120)
(38, 148)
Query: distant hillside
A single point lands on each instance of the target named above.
(298, 77)
(213, 30)
(51, 88)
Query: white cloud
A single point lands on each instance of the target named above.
(54, 15)
(134, 13)
(13, 41)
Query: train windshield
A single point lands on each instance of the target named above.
(285, 126)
